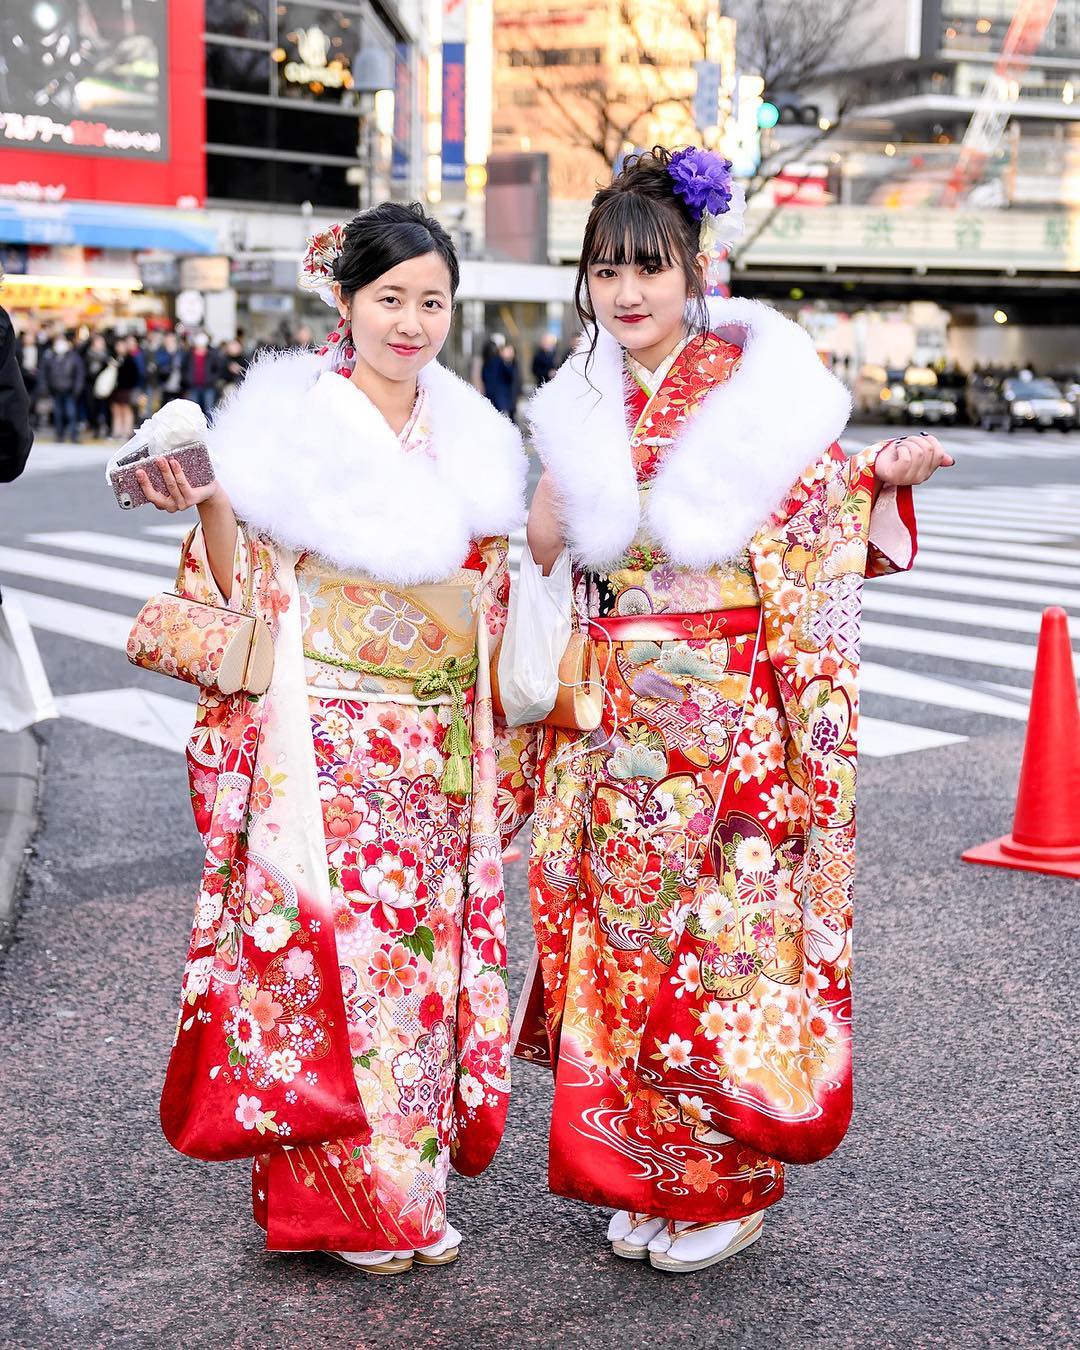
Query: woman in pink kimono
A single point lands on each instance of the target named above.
(691, 867)
(344, 1014)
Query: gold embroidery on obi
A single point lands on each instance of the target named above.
(351, 618)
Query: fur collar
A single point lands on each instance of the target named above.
(307, 459)
(732, 466)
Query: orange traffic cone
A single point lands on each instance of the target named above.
(1046, 828)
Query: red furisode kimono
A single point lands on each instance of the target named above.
(344, 1013)
(692, 861)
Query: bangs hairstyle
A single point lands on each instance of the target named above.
(386, 235)
(640, 221)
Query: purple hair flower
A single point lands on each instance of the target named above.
(702, 179)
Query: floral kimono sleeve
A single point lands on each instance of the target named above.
(220, 721)
(515, 747)
(892, 539)
(198, 580)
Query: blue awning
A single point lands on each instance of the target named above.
(170, 230)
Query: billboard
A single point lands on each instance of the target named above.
(86, 81)
(454, 31)
(453, 112)
(103, 100)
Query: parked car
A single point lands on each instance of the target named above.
(1038, 403)
(873, 389)
(984, 402)
(916, 399)
(1068, 381)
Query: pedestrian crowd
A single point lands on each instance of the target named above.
(101, 385)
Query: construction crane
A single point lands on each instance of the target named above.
(991, 116)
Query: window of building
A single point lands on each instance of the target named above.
(238, 18)
(241, 70)
(556, 56)
(278, 182)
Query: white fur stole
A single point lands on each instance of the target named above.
(307, 459)
(733, 464)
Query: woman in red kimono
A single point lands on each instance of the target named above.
(344, 1018)
(691, 865)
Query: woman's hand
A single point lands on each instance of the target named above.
(911, 460)
(178, 494)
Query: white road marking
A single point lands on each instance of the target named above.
(88, 576)
(927, 642)
(83, 622)
(108, 546)
(913, 688)
(53, 457)
(912, 606)
(957, 583)
(931, 560)
(879, 739)
(170, 531)
(943, 543)
(1021, 534)
(143, 715)
(965, 511)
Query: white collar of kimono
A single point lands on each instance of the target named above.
(308, 459)
(732, 464)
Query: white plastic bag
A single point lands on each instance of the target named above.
(537, 631)
(25, 696)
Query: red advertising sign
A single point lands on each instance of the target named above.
(103, 102)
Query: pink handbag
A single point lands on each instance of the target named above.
(228, 650)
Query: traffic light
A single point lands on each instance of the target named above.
(787, 110)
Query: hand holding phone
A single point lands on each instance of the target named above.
(177, 433)
(177, 492)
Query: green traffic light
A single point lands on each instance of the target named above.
(768, 115)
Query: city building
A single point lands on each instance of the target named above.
(182, 149)
(948, 181)
(584, 83)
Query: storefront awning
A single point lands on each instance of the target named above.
(170, 230)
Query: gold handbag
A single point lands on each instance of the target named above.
(579, 704)
(227, 650)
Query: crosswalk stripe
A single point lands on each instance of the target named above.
(946, 521)
(84, 622)
(959, 583)
(943, 543)
(880, 739)
(889, 682)
(141, 714)
(49, 457)
(981, 548)
(911, 606)
(87, 576)
(1019, 534)
(931, 560)
(108, 546)
(933, 642)
(171, 530)
(1004, 509)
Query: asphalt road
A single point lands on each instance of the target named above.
(945, 1219)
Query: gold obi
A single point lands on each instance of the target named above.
(416, 643)
(352, 621)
